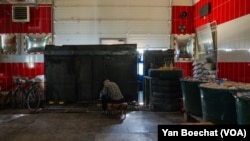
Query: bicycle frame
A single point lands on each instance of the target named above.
(20, 94)
(26, 94)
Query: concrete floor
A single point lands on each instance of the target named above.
(67, 124)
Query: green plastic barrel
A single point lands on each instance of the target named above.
(243, 110)
(218, 106)
(191, 97)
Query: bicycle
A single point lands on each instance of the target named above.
(27, 93)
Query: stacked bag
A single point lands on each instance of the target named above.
(203, 69)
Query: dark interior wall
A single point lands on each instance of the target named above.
(76, 73)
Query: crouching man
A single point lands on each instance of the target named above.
(110, 93)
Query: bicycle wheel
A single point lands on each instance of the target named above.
(33, 99)
(18, 98)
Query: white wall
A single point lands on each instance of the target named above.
(86, 21)
(234, 40)
(182, 2)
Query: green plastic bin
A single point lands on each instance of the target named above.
(243, 109)
(218, 106)
(191, 97)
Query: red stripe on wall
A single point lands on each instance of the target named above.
(221, 11)
(234, 71)
(9, 70)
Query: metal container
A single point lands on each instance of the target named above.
(75, 73)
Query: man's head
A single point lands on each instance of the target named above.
(105, 82)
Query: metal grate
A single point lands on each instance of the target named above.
(20, 14)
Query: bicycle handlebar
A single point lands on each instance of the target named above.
(19, 80)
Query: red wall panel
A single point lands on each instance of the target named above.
(221, 11)
(9, 70)
(234, 71)
(186, 67)
(40, 20)
(177, 20)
